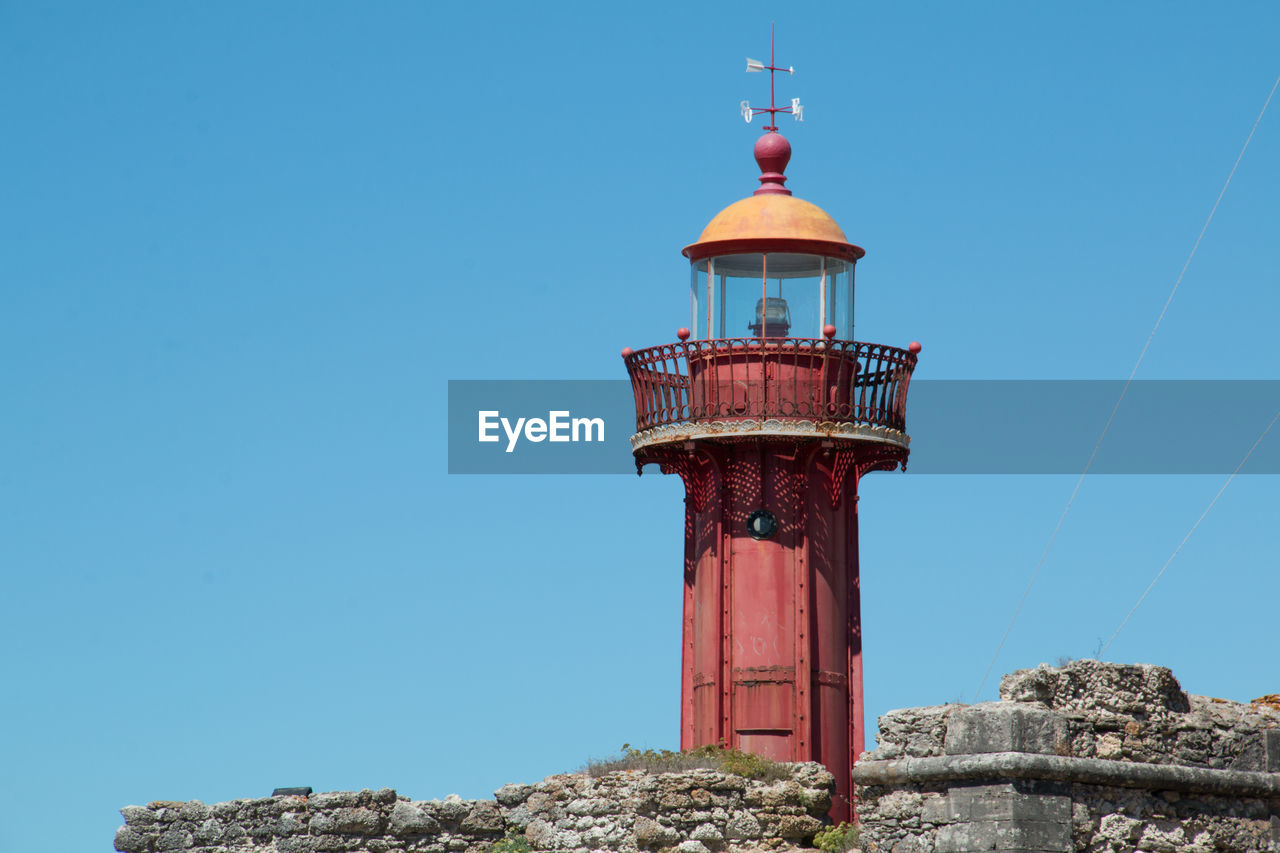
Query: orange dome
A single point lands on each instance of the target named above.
(772, 222)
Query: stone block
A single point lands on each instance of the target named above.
(513, 794)
(300, 844)
(817, 801)
(407, 819)
(1010, 801)
(138, 816)
(130, 840)
(1091, 685)
(964, 838)
(195, 810)
(333, 800)
(1041, 836)
(675, 801)
(743, 825)
(707, 832)
(811, 774)
(1273, 751)
(651, 834)
(910, 844)
(287, 825)
(914, 732)
(937, 810)
(898, 805)
(540, 834)
(356, 821)
(1002, 728)
(483, 818)
(227, 811)
(209, 831)
(798, 826)
(175, 839)
(1049, 836)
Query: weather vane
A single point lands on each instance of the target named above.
(749, 112)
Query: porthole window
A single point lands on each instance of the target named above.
(762, 524)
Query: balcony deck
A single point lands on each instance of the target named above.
(740, 387)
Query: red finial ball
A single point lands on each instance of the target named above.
(627, 352)
(829, 331)
(914, 347)
(772, 152)
(682, 333)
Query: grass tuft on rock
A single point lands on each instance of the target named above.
(718, 758)
(515, 842)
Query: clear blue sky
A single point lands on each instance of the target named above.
(245, 246)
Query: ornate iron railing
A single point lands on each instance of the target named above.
(757, 378)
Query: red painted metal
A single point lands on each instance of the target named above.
(754, 245)
(771, 648)
(772, 152)
(723, 380)
(772, 640)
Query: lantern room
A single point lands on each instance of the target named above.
(772, 265)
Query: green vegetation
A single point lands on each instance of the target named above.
(837, 839)
(710, 757)
(515, 842)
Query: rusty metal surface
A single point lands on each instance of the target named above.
(772, 659)
(746, 379)
(768, 429)
(772, 645)
(775, 223)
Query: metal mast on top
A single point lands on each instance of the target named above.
(749, 112)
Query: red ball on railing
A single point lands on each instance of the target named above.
(627, 352)
(829, 331)
(914, 347)
(682, 333)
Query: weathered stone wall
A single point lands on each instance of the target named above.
(694, 812)
(1089, 757)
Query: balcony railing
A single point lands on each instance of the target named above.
(844, 382)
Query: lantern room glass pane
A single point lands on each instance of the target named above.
(839, 298)
(774, 295)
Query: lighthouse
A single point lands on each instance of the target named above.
(771, 412)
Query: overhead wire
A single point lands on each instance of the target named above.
(1178, 550)
(1124, 390)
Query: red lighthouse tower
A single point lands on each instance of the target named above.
(771, 413)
